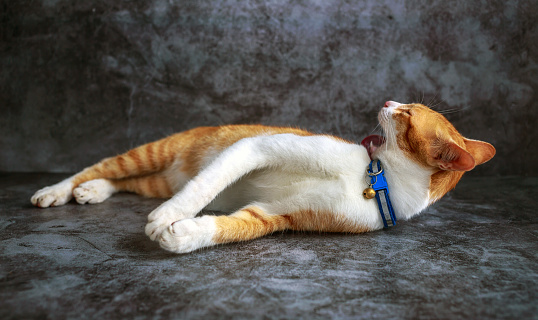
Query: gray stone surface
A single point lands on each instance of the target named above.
(473, 255)
(81, 80)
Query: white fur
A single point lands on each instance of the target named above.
(174, 176)
(408, 181)
(94, 191)
(282, 174)
(286, 173)
(55, 195)
(188, 234)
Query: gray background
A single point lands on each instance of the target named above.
(81, 80)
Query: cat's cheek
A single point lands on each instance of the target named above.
(189, 234)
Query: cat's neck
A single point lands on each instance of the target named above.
(442, 182)
(409, 183)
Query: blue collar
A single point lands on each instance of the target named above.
(379, 184)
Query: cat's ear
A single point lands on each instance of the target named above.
(480, 150)
(449, 156)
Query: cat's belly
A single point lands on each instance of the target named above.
(271, 186)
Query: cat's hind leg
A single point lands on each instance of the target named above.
(55, 195)
(139, 162)
(94, 191)
(249, 223)
(157, 185)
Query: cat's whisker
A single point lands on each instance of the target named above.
(441, 101)
(378, 125)
(432, 104)
(448, 111)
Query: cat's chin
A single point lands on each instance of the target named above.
(372, 143)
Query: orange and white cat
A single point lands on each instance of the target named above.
(273, 179)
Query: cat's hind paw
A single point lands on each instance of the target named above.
(188, 235)
(94, 191)
(55, 195)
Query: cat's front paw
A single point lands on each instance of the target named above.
(188, 235)
(56, 195)
(160, 219)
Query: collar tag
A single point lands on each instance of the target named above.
(379, 184)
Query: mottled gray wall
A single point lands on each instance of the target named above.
(81, 80)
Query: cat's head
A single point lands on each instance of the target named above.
(429, 139)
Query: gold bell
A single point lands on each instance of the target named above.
(368, 193)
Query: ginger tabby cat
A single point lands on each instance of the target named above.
(272, 178)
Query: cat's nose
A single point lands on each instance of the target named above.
(389, 104)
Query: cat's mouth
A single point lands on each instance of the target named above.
(372, 142)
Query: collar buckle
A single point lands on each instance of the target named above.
(379, 184)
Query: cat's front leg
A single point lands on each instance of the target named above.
(197, 194)
(293, 153)
(246, 224)
(231, 165)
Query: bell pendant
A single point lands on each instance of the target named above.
(368, 193)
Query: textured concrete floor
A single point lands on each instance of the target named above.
(473, 255)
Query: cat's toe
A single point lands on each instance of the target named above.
(94, 191)
(155, 228)
(160, 219)
(178, 237)
(51, 196)
(187, 235)
(81, 195)
(45, 201)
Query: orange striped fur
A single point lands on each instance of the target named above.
(253, 222)
(140, 170)
(248, 223)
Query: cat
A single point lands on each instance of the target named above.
(276, 178)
